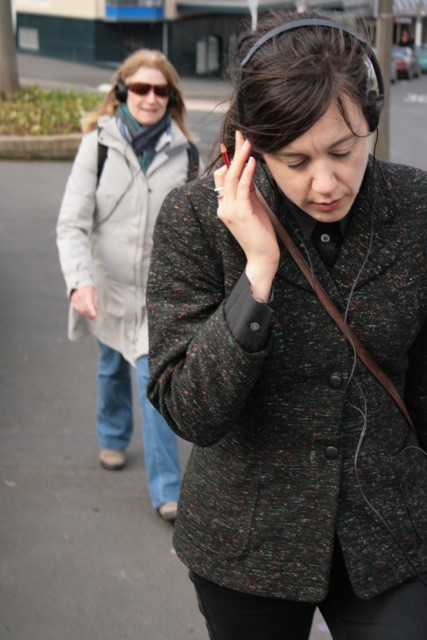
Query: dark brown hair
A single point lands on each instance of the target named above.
(291, 80)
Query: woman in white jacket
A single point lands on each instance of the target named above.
(136, 149)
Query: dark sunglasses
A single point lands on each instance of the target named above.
(143, 88)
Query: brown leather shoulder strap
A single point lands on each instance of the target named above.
(351, 337)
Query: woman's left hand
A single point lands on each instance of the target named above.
(244, 216)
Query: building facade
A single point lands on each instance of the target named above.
(197, 35)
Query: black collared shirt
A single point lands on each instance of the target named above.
(248, 319)
(327, 237)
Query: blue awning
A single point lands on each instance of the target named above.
(131, 13)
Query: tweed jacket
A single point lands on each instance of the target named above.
(104, 231)
(273, 475)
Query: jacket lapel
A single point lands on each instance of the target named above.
(370, 244)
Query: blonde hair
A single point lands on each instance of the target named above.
(152, 59)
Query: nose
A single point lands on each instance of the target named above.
(151, 95)
(324, 180)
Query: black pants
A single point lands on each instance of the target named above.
(398, 614)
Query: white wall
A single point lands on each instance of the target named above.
(86, 9)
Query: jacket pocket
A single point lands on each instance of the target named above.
(217, 502)
(411, 469)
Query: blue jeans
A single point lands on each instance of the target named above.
(115, 423)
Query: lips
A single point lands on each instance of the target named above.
(327, 206)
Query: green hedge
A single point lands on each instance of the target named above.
(35, 111)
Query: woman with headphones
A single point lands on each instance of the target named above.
(300, 374)
(136, 149)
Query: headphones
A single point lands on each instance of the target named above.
(121, 93)
(375, 100)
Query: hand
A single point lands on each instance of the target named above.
(85, 301)
(244, 216)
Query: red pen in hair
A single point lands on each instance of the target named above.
(225, 155)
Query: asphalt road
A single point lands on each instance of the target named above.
(82, 554)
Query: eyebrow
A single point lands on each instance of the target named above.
(334, 144)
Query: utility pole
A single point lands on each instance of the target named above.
(384, 42)
(8, 65)
(419, 24)
(253, 8)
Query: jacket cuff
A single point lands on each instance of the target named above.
(249, 320)
(78, 283)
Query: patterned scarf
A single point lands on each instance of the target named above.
(142, 139)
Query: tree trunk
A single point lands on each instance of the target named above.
(9, 81)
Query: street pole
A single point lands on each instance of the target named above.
(419, 24)
(253, 8)
(302, 5)
(384, 42)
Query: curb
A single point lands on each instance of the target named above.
(60, 147)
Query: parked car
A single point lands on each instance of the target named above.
(407, 63)
(421, 53)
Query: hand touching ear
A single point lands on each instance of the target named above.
(245, 217)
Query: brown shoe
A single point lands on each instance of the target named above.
(168, 511)
(111, 459)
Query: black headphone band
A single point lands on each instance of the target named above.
(322, 22)
(297, 24)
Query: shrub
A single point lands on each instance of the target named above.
(36, 111)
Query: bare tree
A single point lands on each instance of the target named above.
(9, 81)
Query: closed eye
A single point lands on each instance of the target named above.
(342, 154)
(297, 165)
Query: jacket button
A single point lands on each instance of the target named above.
(255, 326)
(332, 453)
(335, 381)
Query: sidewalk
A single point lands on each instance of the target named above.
(50, 72)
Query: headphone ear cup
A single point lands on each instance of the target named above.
(172, 100)
(121, 91)
(374, 105)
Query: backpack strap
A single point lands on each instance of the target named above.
(193, 161)
(102, 156)
(192, 152)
